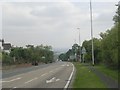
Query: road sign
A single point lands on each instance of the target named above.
(43, 57)
(83, 50)
(72, 57)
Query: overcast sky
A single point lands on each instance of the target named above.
(54, 23)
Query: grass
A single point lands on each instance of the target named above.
(109, 72)
(0, 55)
(84, 78)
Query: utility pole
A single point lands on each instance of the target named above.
(79, 44)
(92, 33)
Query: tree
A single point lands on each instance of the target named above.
(62, 57)
(97, 50)
(110, 47)
(6, 59)
(71, 52)
(32, 54)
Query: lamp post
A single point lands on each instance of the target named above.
(92, 33)
(79, 44)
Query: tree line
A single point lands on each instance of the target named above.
(30, 54)
(106, 47)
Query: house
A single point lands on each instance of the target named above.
(6, 46)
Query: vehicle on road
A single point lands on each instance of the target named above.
(35, 63)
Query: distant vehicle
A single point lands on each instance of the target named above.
(35, 63)
(60, 60)
(46, 62)
(50, 61)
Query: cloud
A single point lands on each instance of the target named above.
(53, 23)
(17, 15)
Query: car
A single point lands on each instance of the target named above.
(35, 63)
(60, 60)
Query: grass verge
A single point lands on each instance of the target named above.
(0, 56)
(85, 78)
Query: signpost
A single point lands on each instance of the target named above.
(83, 52)
(72, 57)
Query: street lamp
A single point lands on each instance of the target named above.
(79, 43)
(92, 33)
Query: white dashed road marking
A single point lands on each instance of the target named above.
(31, 80)
(12, 80)
(67, 64)
(50, 71)
(57, 80)
(44, 74)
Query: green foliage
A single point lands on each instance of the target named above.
(6, 59)
(71, 52)
(97, 50)
(28, 55)
(62, 57)
(110, 47)
(106, 48)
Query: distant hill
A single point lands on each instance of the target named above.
(60, 50)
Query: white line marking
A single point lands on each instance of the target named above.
(68, 82)
(67, 64)
(50, 71)
(51, 80)
(44, 74)
(56, 68)
(31, 80)
(62, 65)
(57, 80)
(13, 80)
(14, 87)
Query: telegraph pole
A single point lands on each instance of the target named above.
(92, 33)
(79, 43)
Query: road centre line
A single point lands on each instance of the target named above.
(19, 75)
(31, 80)
(35, 78)
(51, 71)
(13, 79)
(67, 64)
(56, 68)
(57, 79)
(63, 65)
(44, 74)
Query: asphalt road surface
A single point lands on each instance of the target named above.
(55, 75)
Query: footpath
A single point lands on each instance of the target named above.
(108, 81)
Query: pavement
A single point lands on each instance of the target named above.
(55, 75)
(108, 81)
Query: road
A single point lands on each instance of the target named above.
(55, 75)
